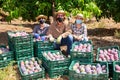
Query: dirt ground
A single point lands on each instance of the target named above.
(101, 33)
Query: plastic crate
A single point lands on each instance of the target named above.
(55, 64)
(27, 53)
(34, 76)
(107, 47)
(4, 63)
(79, 76)
(19, 39)
(54, 73)
(82, 56)
(43, 45)
(116, 75)
(6, 55)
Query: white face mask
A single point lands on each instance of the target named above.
(78, 21)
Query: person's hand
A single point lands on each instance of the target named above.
(80, 37)
(64, 35)
(51, 39)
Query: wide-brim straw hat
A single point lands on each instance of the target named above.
(41, 16)
(79, 15)
(60, 12)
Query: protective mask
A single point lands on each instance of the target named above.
(78, 21)
(42, 21)
(60, 19)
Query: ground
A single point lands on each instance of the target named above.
(101, 33)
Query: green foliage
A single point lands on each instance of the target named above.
(29, 9)
(110, 8)
(8, 72)
(117, 33)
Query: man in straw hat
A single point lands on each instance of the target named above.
(60, 31)
(41, 29)
(79, 29)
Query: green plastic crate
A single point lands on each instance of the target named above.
(107, 47)
(40, 46)
(27, 53)
(82, 56)
(35, 76)
(6, 55)
(78, 76)
(19, 39)
(4, 63)
(56, 72)
(116, 75)
(43, 45)
(55, 64)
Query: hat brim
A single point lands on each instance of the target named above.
(78, 16)
(60, 13)
(41, 16)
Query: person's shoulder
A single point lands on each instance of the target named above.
(47, 25)
(84, 25)
(36, 26)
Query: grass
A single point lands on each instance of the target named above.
(8, 73)
(117, 34)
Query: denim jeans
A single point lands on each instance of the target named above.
(65, 41)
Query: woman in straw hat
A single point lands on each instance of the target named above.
(79, 29)
(41, 29)
(60, 31)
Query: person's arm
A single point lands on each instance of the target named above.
(49, 31)
(35, 29)
(85, 31)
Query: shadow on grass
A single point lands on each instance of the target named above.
(100, 32)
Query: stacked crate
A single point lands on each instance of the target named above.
(6, 56)
(21, 45)
(116, 70)
(82, 51)
(31, 69)
(108, 54)
(40, 46)
(88, 71)
(55, 63)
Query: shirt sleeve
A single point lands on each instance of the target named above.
(85, 31)
(35, 29)
(49, 31)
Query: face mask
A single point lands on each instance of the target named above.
(42, 21)
(78, 21)
(60, 19)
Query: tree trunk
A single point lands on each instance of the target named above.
(53, 9)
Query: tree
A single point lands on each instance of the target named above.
(110, 8)
(29, 9)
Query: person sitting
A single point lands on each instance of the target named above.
(60, 31)
(41, 29)
(79, 29)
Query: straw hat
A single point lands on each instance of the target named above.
(80, 16)
(41, 16)
(60, 12)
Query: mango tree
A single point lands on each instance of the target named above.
(29, 9)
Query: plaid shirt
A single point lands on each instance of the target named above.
(79, 31)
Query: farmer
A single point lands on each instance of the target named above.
(42, 28)
(60, 31)
(79, 29)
